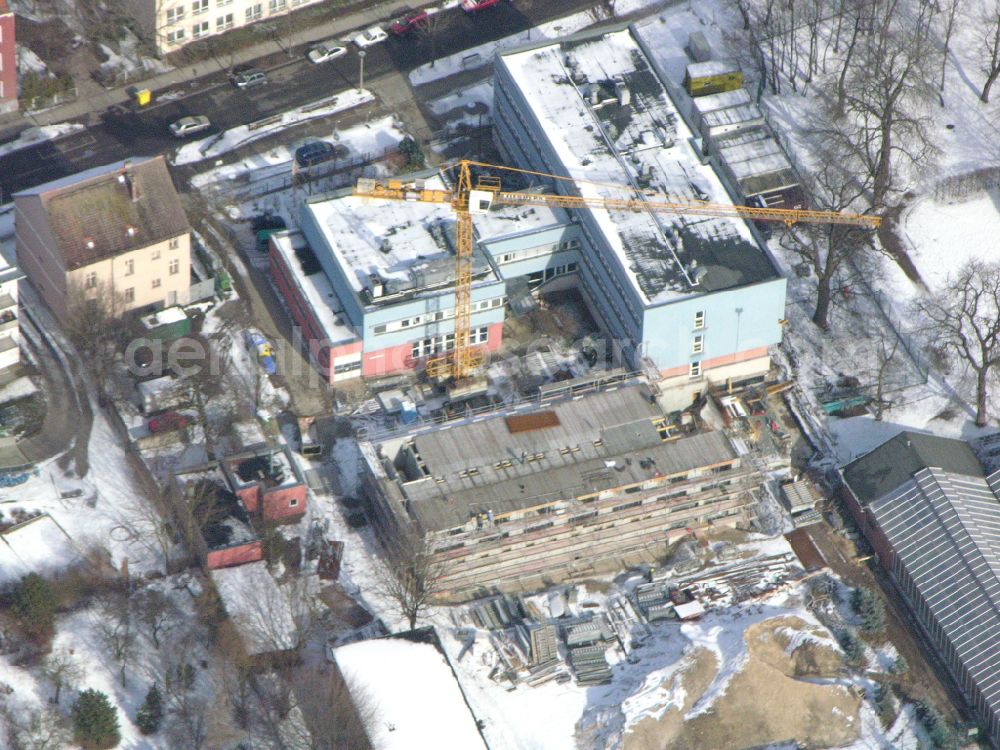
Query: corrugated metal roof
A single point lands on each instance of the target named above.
(945, 528)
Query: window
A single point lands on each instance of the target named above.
(695, 369)
(379, 328)
(199, 29)
(129, 267)
(198, 7)
(156, 283)
(274, 6)
(223, 3)
(155, 255)
(479, 335)
(699, 320)
(174, 15)
(224, 22)
(255, 12)
(293, 503)
(91, 280)
(175, 37)
(175, 266)
(130, 294)
(698, 344)
(175, 243)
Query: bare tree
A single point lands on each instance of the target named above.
(885, 87)
(97, 325)
(991, 50)
(116, 629)
(429, 30)
(156, 613)
(62, 669)
(336, 716)
(33, 729)
(411, 577)
(964, 318)
(885, 353)
(950, 12)
(825, 248)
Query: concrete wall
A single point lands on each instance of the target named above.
(8, 64)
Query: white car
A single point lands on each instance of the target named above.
(371, 36)
(321, 53)
(186, 126)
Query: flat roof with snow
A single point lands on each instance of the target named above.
(574, 89)
(315, 288)
(410, 246)
(416, 701)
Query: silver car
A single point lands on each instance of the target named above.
(321, 53)
(190, 125)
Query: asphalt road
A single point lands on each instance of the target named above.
(293, 81)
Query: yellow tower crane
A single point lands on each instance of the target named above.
(468, 199)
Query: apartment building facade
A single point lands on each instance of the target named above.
(697, 297)
(171, 24)
(116, 230)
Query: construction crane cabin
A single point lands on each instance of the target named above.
(477, 189)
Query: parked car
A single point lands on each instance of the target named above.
(321, 53)
(248, 79)
(258, 345)
(167, 422)
(370, 37)
(471, 6)
(189, 125)
(314, 152)
(409, 22)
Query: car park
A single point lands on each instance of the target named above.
(248, 79)
(189, 125)
(322, 53)
(410, 22)
(370, 37)
(166, 422)
(314, 152)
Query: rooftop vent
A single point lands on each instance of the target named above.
(376, 285)
(623, 92)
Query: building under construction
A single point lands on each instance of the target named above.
(514, 501)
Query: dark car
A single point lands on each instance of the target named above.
(167, 422)
(248, 79)
(314, 152)
(409, 22)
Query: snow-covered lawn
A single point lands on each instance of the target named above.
(216, 145)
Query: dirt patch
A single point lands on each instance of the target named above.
(652, 733)
(805, 550)
(346, 613)
(766, 702)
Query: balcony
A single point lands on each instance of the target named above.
(8, 319)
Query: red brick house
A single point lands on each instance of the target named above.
(269, 485)
(8, 60)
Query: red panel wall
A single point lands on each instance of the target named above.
(8, 61)
(237, 555)
(278, 502)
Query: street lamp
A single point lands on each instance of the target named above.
(361, 74)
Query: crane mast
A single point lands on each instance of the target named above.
(468, 198)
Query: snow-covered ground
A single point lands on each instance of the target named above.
(219, 144)
(34, 136)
